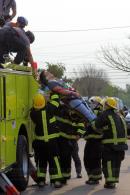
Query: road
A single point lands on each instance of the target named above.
(78, 187)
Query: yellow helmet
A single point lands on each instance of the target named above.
(98, 99)
(103, 101)
(111, 102)
(39, 101)
(95, 99)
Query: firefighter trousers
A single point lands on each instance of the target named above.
(75, 156)
(111, 163)
(47, 153)
(65, 157)
(92, 159)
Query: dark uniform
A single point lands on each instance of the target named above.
(5, 7)
(13, 40)
(45, 143)
(68, 131)
(114, 144)
(92, 153)
(75, 156)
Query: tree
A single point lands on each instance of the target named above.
(57, 69)
(116, 58)
(91, 81)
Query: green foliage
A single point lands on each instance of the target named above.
(57, 70)
(110, 90)
(125, 95)
(101, 88)
(92, 83)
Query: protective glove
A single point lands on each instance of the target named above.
(34, 65)
(34, 70)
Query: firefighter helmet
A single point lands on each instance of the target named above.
(95, 102)
(22, 21)
(39, 101)
(98, 99)
(103, 101)
(111, 102)
(95, 99)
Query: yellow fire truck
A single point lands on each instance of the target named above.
(16, 130)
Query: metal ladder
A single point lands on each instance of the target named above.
(6, 185)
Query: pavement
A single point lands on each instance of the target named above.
(78, 187)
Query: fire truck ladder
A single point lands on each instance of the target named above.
(6, 185)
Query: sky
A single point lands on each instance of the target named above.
(72, 32)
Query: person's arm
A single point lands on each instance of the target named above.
(100, 122)
(10, 24)
(64, 91)
(53, 104)
(30, 57)
(14, 10)
(31, 61)
(80, 129)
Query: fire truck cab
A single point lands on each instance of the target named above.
(16, 129)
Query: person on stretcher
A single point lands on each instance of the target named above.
(68, 96)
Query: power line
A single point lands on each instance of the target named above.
(114, 78)
(81, 30)
(119, 73)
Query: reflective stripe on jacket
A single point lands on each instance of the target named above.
(45, 121)
(113, 127)
(69, 129)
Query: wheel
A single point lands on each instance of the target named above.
(20, 173)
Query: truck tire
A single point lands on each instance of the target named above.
(21, 170)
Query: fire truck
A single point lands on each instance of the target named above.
(17, 88)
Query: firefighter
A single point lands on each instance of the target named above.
(75, 156)
(14, 39)
(93, 146)
(114, 141)
(5, 7)
(46, 135)
(70, 129)
(21, 22)
(70, 97)
(79, 124)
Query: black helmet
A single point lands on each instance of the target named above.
(22, 21)
(30, 36)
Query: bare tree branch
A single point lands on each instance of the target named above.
(115, 58)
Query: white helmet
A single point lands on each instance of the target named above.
(95, 101)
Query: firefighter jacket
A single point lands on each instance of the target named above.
(97, 111)
(90, 133)
(68, 128)
(114, 130)
(45, 121)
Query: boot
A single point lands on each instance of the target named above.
(109, 185)
(92, 182)
(57, 184)
(79, 175)
(64, 181)
(41, 184)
